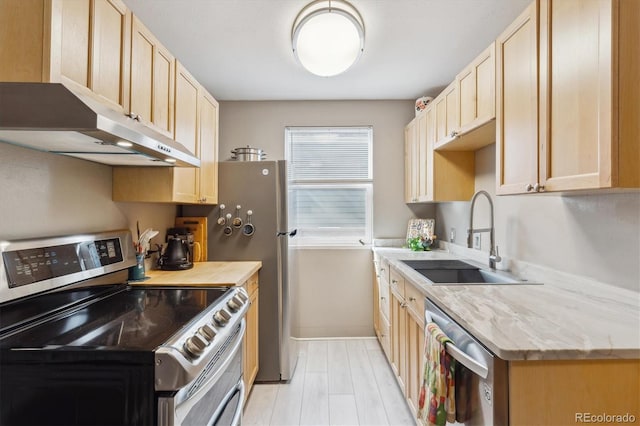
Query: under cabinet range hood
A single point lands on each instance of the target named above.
(49, 117)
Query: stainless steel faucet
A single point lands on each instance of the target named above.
(494, 256)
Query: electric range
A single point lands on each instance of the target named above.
(79, 345)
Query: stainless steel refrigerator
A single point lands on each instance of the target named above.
(260, 187)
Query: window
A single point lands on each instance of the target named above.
(330, 185)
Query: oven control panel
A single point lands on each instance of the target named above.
(32, 266)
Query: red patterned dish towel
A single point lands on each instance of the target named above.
(437, 403)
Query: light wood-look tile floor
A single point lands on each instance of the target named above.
(336, 382)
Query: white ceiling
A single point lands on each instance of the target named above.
(241, 49)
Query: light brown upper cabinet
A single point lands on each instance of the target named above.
(84, 44)
(152, 80)
(587, 100)
(476, 90)
(186, 182)
(589, 94)
(172, 184)
(465, 110)
(208, 149)
(432, 175)
(476, 104)
(186, 108)
(446, 115)
(450, 174)
(517, 104)
(416, 151)
(422, 173)
(411, 162)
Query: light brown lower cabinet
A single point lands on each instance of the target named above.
(415, 348)
(250, 345)
(547, 392)
(398, 339)
(398, 329)
(382, 305)
(395, 329)
(407, 338)
(376, 298)
(385, 336)
(569, 392)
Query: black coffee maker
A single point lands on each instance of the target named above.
(177, 254)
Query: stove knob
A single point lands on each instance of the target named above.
(242, 295)
(195, 345)
(207, 332)
(221, 317)
(235, 303)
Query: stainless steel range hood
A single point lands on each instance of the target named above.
(49, 117)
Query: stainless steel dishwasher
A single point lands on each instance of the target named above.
(482, 396)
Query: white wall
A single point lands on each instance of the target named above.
(334, 286)
(335, 294)
(45, 194)
(595, 235)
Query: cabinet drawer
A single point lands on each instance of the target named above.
(251, 284)
(397, 282)
(414, 298)
(384, 299)
(384, 269)
(385, 336)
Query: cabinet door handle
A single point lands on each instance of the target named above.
(394, 281)
(538, 188)
(412, 299)
(403, 305)
(529, 187)
(383, 298)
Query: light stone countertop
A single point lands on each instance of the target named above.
(565, 318)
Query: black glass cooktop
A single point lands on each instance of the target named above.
(125, 318)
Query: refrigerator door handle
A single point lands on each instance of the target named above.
(291, 234)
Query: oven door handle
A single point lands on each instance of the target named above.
(237, 417)
(459, 355)
(186, 405)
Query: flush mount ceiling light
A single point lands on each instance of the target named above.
(328, 37)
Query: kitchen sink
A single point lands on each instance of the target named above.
(458, 272)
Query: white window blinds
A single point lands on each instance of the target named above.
(321, 154)
(330, 181)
